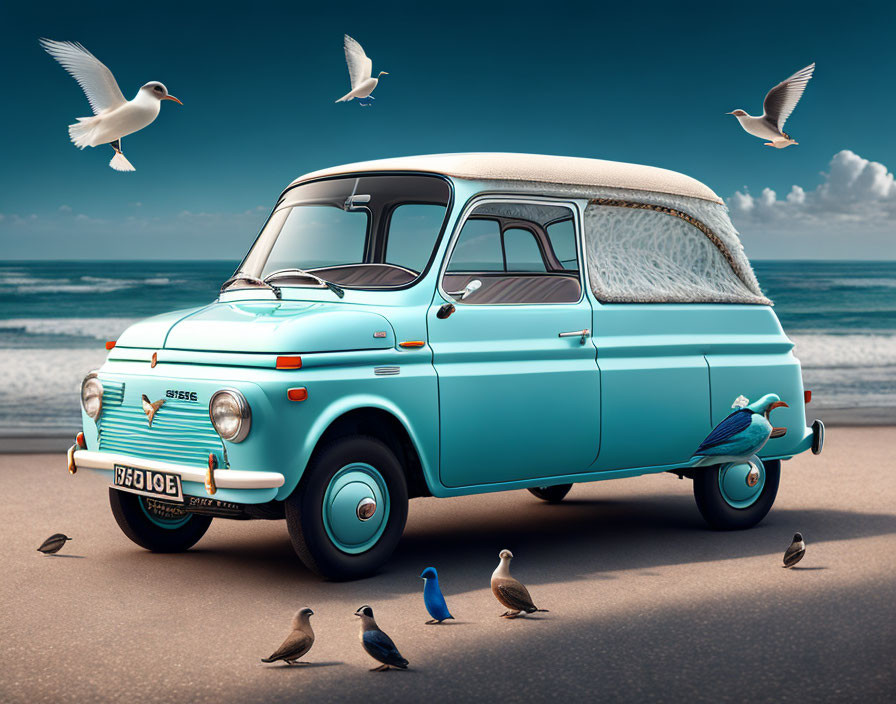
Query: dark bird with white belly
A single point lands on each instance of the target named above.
(377, 644)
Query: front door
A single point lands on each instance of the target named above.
(519, 388)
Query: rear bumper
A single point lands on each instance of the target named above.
(813, 439)
(223, 478)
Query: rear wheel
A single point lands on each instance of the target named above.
(156, 525)
(551, 494)
(737, 495)
(347, 515)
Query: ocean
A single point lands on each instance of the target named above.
(55, 316)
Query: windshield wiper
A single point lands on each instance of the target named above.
(251, 280)
(335, 288)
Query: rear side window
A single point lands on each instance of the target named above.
(641, 253)
(562, 235)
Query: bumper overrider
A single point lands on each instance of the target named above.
(213, 478)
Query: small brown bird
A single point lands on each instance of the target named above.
(298, 642)
(509, 591)
(53, 544)
(151, 408)
(796, 551)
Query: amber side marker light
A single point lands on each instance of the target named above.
(807, 396)
(110, 344)
(79, 439)
(412, 343)
(289, 362)
(299, 394)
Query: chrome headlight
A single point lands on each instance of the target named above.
(92, 395)
(230, 414)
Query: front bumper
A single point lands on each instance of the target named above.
(226, 479)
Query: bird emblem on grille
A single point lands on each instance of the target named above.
(150, 408)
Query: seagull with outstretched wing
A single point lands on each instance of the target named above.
(360, 73)
(113, 116)
(777, 107)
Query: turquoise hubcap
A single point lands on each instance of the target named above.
(735, 481)
(356, 508)
(163, 514)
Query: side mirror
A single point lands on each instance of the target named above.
(471, 288)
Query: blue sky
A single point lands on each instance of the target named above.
(639, 82)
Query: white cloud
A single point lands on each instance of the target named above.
(851, 214)
(853, 190)
(65, 208)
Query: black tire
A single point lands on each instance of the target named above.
(134, 523)
(552, 494)
(719, 514)
(304, 509)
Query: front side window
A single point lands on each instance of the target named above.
(357, 232)
(506, 253)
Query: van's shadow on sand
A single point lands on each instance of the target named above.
(561, 542)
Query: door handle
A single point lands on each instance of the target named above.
(577, 333)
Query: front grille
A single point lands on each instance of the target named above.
(181, 432)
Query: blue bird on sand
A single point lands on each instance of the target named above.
(742, 433)
(432, 597)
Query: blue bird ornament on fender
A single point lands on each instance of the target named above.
(741, 434)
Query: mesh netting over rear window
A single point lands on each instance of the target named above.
(647, 253)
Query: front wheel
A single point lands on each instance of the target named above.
(737, 495)
(348, 513)
(156, 525)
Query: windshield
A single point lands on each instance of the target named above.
(358, 232)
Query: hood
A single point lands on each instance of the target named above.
(286, 327)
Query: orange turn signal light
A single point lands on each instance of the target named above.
(299, 394)
(79, 440)
(807, 396)
(412, 343)
(289, 362)
(110, 344)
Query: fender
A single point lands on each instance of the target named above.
(346, 404)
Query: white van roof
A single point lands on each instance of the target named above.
(562, 170)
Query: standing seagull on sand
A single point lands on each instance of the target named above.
(113, 116)
(777, 106)
(360, 72)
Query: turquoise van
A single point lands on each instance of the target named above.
(441, 326)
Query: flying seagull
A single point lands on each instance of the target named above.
(512, 594)
(742, 433)
(777, 106)
(796, 551)
(360, 72)
(113, 116)
(298, 642)
(377, 644)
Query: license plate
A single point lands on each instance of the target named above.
(148, 482)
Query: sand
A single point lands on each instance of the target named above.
(645, 603)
